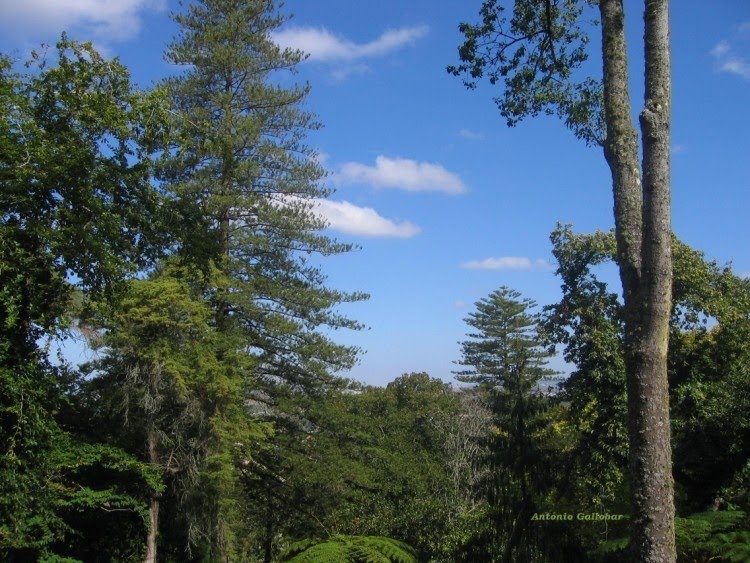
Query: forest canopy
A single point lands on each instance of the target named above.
(176, 231)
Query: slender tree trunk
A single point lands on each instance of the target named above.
(643, 231)
(268, 535)
(648, 392)
(621, 148)
(153, 511)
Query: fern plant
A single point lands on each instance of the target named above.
(351, 549)
(716, 536)
(712, 536)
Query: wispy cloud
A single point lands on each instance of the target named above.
(507, 263)
(678, 148)
(322, 45)
(726, 57)
(344, 72)
(469, 134)
(403, 174)
(736, 65)
(363, 221)
(721, 49)
(102, 20)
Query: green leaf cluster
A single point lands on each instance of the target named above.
(351, 549)
(534, 52)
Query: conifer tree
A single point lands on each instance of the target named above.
(245, 185)
(505, 356)
(171, 401)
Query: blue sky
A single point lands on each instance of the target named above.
(445, 201)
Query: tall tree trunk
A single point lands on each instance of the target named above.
(268, 534)
(648, 392)
(621, 149)
(153, 511)
(643, 231)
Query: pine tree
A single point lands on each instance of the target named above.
(245, 186)
(507, 359)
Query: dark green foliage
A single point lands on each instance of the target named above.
(588, 323)
(75, 203)
(28, 518)
(710, 383)
(214, 396)
(707, 535)
(507, 358)
(351, 549)
(78, 137)
(708, 378)
(534, 52)
(369, 461)
(102, 496)
(720, 536)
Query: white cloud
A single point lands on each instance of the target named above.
(721, 49)
(459, 304)
(401, 173)
(363, 221)
(736, 65)
(678, 148)
(469, 134)
(322, 45)
(507, 263)
(726, 57)
(105, 20)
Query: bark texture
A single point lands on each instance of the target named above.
(153, 511)
(621, 147)
(653, 537)
(643, 230)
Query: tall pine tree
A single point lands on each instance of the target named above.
(247, 183)
(245, 186)
(506, 358)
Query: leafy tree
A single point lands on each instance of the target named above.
(707, 373)
(588, 323)
(709, 383)
(77, 204)
(506, 357)
(371, 461)
(160, 380)
(536, 53)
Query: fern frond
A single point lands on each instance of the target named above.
(351, 549)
